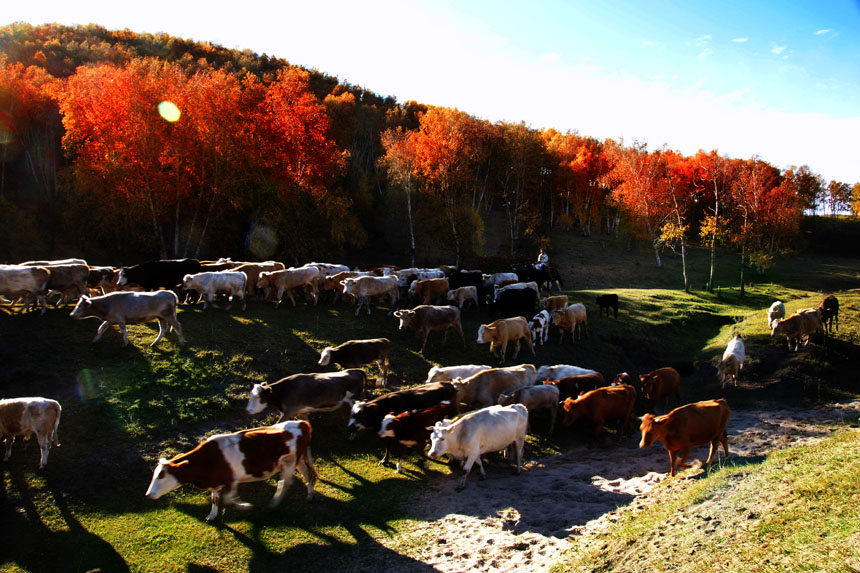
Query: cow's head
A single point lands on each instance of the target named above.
(486, 333)
(186, 282)
(623, 378)
(389, 425)
(257, 402)
(439, 438)
(573, 411)
(83, 308)
(452, 295)
(650, 429)
(265, 280)
(650, 387)
(348, 285)
(405, 317)
(163, 480)
(325, 356)
(356, 420)
(123, 277)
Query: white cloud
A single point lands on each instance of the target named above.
(648, 43)
(777, 50)
(822, 32)
(740, 40)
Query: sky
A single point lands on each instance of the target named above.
(777, 79)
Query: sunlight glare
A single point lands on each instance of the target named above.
(169, 111)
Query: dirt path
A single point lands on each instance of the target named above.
(525, 522)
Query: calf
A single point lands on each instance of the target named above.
(101, 279)
(425, 319)
(24, 281)
(358, 353)
(483, 389)
(607, 301)
(413, 428)
(131, 307)
(573, 318)
(26, 416)
(363, 288)
(221, 462)
(539, 327)
(729, 368)
(534, 398)
(463, 278)
(573, 386)
(503, 331)
(448, 373)
(211, 284)
(303, 394)
(829, 310)
(429, 289)
(660, 383)
(487, 430)
(596, 408)
(691, 425)
(775, 312)
(560, 371)
(463, 295)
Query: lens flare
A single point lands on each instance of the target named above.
(261, 241)
(169, 111)
(87, 387)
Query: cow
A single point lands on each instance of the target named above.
(624, 378)
(70, 280)
(131, 307)
(539, 327)
(553, 303)
(560, 371)
(687, 426)
(534, 398)
(516, 302)
(362, 288)
(463, 295)
(276, 283)
(413, 428)
(492, 280)
(26, 416)
(487, 430)
(464, 278)
(658, 384)
(429, 289)
(47, 263)
(503, 331)
(607, 301)
(775, 312)
(24, 281)
(154, 275)
(483, 388)
(102, 279)
(505, 286)
(729, 368)
(829, 310)
(573, 318)
(425, 319)
(304, 394)
(358, 353)
(573, 386)
(528, 273)
(334, 284)
(329, 269)
(253, 270)
(448, 373)
(221, 462)
(596, 408)
(211, 284)
(799, 326)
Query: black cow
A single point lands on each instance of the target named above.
(370, 414)
(829, 309)
(528, 273)
(607, 301)
(514, 302)
(153, 275)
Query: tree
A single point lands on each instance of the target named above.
(399, 160)
(715, 175)
(838, 197)
(855, 199)
(680, 192)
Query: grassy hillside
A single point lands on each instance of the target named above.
(125, 407)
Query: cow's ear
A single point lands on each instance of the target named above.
(163, 461)
(180, 464)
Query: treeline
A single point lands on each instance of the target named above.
(266, 160)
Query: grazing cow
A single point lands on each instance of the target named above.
(24, 281)
(429, 289)
(607, 301)
(553, 303)
(560, 371)
(503, 331)
(276, 283)
(799, 326)
(487, 430)
(658, 384)
(829, 310)
(691, 425)
(483, 388)
(573, 386)
(448, 373)
(154, 275)
(26, 416)
(775, 312)
(425, 319)
(573, 318)
(253, 270)
(517, 302)
(303, 394)
(413, 428)
(358, 353)
(464, 278)
(211, 284)
(729, 368)
(221, 462)
(539, 327)
(131, 307)
(362, 288)
(534, 398)
(463, 295)
(596, 408)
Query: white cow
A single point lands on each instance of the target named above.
(24, 281)
(363, 288)
(448, 373)
(775, 312)
(729, 368)
(25, 416)
(211, 284)
(560, 371)
(486, 430)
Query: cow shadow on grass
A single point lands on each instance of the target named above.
(37, 543)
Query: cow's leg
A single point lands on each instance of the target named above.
(162, 330)
(309, 472)
(426, 334)
(388, 443)
(517, 349)
(124, 332)
(171, 320)
(9, 441)
(682, 456)
(102, 328)
(724, 442)
(216, 502)
(403, 449)
(503, 350)
(467, 467)
(520, 445)
(383, 365)
(242, 296)
(361, 300)
(44, 446)
(672, 454)
(284, 482)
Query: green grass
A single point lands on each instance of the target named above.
(125, 407)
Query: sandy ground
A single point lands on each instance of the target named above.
(524, 522)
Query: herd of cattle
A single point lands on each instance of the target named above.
(499, 399)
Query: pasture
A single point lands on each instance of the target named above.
(123, 408)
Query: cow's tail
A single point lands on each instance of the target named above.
(54, 436)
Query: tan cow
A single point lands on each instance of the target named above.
(573, 318)
(429, 290)
(276, 283)
(799, 327)
(596, 408)
(483, 389)
(503, 331)
(26, 416)
(253, 270)
(462, 295)
(24, 281)
(553, 303)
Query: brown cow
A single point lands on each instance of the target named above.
(424, 319)
(553, 303)
(253, 270)
(504, 330)
(429, 290)
(691, 425)
(26, 416)
(601, 405)
(658, 384)
(573, 386)
(483, 389)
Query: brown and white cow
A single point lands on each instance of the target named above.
(598, 407)
(131, 307)
(690, 425)
(276, 283)
(17, 281)
(221, 462)
(413, 428)
(364, 288)
(26, 416)
(425, 318)
(660, 383)
(358, 353)
(503, 331)
(334, 282)
(429, 290)
(211, 284)
(483, 388)
(69, 280)
(303, 394)
(539, 326)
